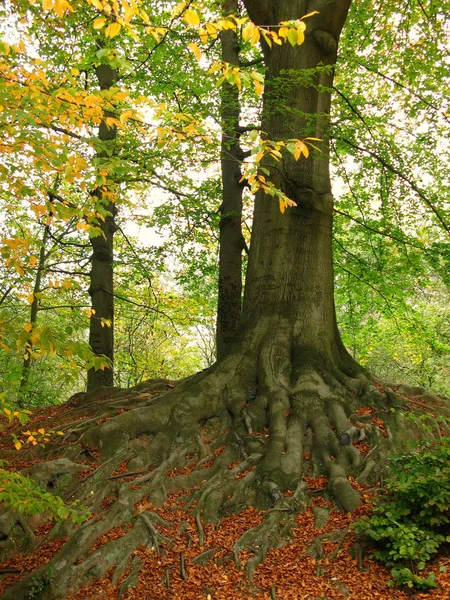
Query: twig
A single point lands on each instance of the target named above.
(201, 533)
(183, 567)
(128, 474)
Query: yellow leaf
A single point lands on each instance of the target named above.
(196, 50)
(300, 37)
(60, 433)
(247, 32)
(7, 411)
(62, 6)
(179, 9)
(28, 327)
(298, 149)
(41, 431)
(203, 34)
(98, 23)
(258, 87)
(283, 32)
(30, 298)
(17, 445)
(311, 14)
(285, 202)
(120, 95)
(292, 37)
(32, 261)
(212, 30)
(125, 115)
(191, 18)
(83, 226)
(255, 36)
(111, 122)
(113, 29)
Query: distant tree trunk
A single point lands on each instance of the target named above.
(101, 290)
(231, 240)
(34, 308)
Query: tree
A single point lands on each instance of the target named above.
(285, 374)
(231, 242)
(101, 289)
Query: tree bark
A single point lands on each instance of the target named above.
(231, 241)
(101, 289)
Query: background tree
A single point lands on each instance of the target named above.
(231, 240)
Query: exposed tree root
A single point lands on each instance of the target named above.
(247, 432)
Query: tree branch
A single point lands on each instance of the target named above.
(397, 172)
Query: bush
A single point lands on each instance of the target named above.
(412, 519)
(21, 494)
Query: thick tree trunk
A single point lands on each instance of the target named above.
(290, 271)
(231, 242)
(101, 290)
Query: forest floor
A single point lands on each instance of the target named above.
(319, 563)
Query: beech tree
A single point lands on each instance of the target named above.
(285, 372)
(101, 290)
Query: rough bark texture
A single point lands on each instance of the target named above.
(290, 270)
(231, 241)
(101, 289)
(284, 403)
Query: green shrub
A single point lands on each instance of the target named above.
(412, 519)
(22, 495)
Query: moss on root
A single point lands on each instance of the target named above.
(244, 433)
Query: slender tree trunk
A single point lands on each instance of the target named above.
(231, 242)
(34, 308)
(101, 326)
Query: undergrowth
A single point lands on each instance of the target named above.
(411, 520)
(21, 494)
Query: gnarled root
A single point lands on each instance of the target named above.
(257, 429)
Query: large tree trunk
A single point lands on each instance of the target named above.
(290, 273)
(231, 242)
(101, 289)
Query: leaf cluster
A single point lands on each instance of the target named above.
(21, 494)
(412, 519)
